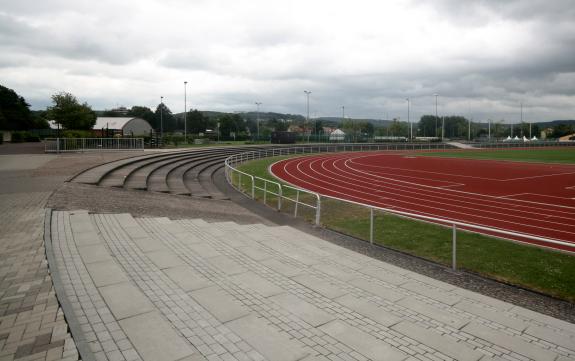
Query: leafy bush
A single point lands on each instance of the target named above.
(20, 137)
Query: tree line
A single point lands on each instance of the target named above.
(68, 112)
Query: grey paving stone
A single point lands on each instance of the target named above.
(447, 346)
(281, 267)
(339, 273)
(498, 304)
(302, 309)
(362, 342)
(368, 309)
(187, 278)
(147, 244)
(301, 257)
(563, 325)
(273, 345)
(165, 259)
(219, 303)
(155, 339)
(433, 312)
(431, 282)
(514, 344)
(125, 300)
(204, 250)
(444, 297)
(552, 336)
(487, 314)
(255, 253)
(384, 275)
(94, 253)
(227, 265)
(378, 290)
(106, 273)
(323, 287)
(257, 283)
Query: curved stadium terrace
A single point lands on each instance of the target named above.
(155, 256)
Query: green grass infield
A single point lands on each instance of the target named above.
(555, 155)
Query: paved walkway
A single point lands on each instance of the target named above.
(32, 325)
(158, 289)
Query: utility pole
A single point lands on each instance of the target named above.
(489, 129)
(162, 117)
(436, 113)
(469, 130)
(307, 93)
(409, 122)
(258, 120)
(185, 111)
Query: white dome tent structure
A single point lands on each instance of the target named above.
(337, 135)
(126, 126)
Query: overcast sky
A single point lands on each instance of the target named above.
(483, 58)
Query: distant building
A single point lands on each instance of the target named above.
(337, 135)
(126, 126)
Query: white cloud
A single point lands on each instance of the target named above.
(483, 58)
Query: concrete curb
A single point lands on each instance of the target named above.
(77, 334)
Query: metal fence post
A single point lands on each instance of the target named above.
(253, 188)
(371, 225)
(265, 191)
(296, 203)
(280, 194)
(454, 248)
(318, 211)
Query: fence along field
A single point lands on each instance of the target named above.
(543, 270)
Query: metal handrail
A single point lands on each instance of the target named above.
(246, 156)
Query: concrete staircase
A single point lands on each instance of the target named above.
(187, 289)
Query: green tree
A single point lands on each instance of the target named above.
(398, 129)
(427, 124)
(70, 114)
(561, 130)
(197, 122)
(163, 115)
(14, 111)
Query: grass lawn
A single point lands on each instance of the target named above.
(555, 155)
(542, 270)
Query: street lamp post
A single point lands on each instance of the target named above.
(409, 121)
(307, 93)
(185, 111)
(258, 120)
(436, 113)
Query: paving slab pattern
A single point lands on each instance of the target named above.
(32, 325)
(293, 296)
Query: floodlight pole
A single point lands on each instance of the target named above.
(442, 127)
(436, 113)
(307, 93)
(489, 129)
(409, 122)
(258, 120)
(185, 111)
(162, 117)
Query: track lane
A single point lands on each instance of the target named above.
(343, 176)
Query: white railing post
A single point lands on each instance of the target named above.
(318, 210)
(280, 195)
(265, 191)
(296, 203)
(253, 187)
(454, 248)
(371, 225)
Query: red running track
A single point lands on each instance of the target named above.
(530, 198)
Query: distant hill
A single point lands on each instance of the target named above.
(554, 123)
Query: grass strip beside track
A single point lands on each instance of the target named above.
(545, 271)
(555, 155)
